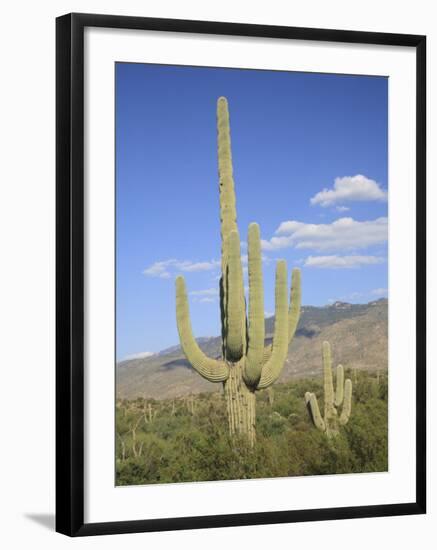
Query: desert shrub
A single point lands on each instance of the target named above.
(191, 443)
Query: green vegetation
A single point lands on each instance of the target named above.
(246, 365)
(187, 439)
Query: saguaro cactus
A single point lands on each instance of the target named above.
(343, 395)
(246, 365)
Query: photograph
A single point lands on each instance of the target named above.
(217, 296)
(251, 274)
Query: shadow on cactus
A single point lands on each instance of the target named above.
(343, 396)
(247, 365)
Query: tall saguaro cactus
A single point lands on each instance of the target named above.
(343, 395)
(247, 365)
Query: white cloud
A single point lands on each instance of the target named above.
(206, 295)
(141, 355)
(341, 262)
(206, 300)
(164, 269)
(379, 292)
(197, 266)
(342, 234)
(348, 189)
(159, 269)
(205, 292)
(342, 208)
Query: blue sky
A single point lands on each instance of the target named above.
(310, 166)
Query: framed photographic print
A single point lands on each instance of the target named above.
(240, 274)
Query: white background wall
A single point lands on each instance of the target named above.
(27, 170)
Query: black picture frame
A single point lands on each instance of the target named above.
(70, 273)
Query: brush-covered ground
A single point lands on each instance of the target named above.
(186, 439)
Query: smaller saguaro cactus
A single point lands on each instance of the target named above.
(343, 395)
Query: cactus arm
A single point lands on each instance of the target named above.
(211, 369)
(328, 384)
(295, 303)
(339, 389)
(293, 310)
(347, 405)
(267, 353)
(272, 369)
(313, 407)
(235, 307)
(256, 328)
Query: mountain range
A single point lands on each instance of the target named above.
(358, 334)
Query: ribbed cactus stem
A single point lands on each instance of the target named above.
(328, 383)
(312, 404)
(235, 306)
(256, 325)
(295, 303)
(347, 405)
(211, 369)
(227, 194)
(339, 387)
(228, 212)
(240, 402)
(293, 310)
(272, 369)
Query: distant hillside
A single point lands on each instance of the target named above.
(358, 334)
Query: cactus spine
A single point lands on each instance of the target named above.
(246, 364)
(343, 395)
